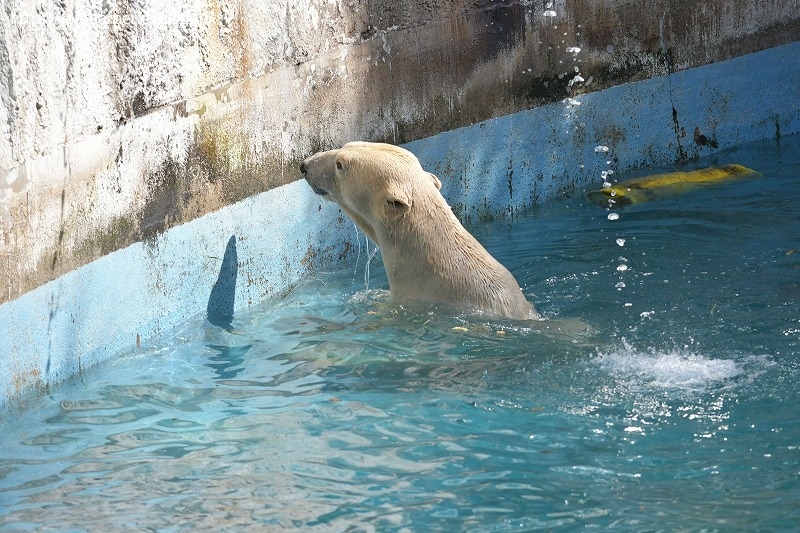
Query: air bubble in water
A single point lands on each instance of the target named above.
(622, 268)
(600, 149)
(549, 13)
(573, 49)
(620, 242)
(606, 184)
(613, 216)
(620, 285)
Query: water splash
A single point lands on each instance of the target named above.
(679, 368)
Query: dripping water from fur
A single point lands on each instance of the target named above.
(370, 255)
(358, 242)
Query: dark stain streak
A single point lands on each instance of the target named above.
(682, 156)
(702, 140)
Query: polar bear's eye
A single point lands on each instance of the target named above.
(338, 165)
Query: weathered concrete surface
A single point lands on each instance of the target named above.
(119, 120)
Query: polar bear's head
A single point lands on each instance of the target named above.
(374, 183)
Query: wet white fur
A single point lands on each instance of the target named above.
(428, 255)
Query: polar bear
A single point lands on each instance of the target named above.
(428, 255)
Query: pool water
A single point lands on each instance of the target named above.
(335, 409)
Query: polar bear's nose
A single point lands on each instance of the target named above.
(303, 167)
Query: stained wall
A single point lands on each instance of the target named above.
(120, 120)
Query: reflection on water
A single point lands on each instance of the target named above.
(337, 409)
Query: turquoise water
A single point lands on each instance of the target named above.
(335, 409)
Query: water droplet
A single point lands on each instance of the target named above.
(613, 216)
(577, 79)
(620, 242)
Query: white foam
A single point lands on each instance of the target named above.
(673, 369)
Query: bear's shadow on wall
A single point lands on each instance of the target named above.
(219, 310)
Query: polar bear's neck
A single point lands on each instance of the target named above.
(430, 256)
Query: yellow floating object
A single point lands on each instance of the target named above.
(638, 190)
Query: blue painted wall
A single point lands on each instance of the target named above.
(506, 164)
(212, 267)
(205, 271)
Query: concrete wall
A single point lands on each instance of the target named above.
(120, 121)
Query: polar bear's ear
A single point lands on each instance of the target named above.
(436, 181)
(398, 202)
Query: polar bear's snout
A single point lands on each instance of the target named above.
(313, 178)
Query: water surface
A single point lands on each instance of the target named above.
(334, 408)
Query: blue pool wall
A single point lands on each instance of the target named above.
(502, 166)
(207, 270)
